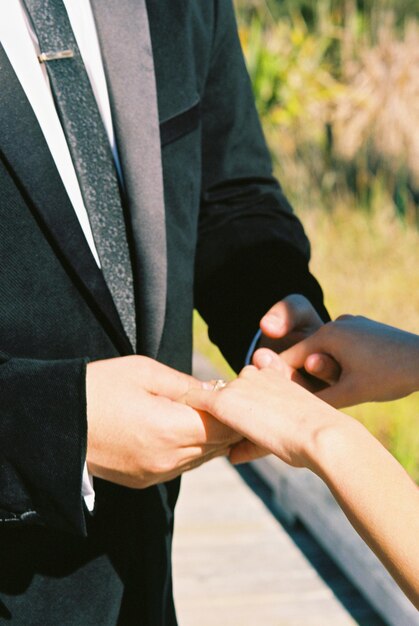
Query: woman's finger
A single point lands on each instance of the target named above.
(268, 358)
(246, 451)
(324, 367)
(339, 395)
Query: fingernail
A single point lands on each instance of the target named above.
(264, 359)
(208, 386)
(317, 366)
(272, 322)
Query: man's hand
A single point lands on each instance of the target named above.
(288, 322)
(377, 362)
(138, 434)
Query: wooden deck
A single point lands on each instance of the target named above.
(235, 564)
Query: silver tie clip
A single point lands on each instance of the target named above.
(55, 56)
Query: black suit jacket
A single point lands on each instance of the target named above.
(210, 228)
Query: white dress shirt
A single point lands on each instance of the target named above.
(21, 46)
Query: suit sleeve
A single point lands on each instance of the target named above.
(42, 443)
(252, 250)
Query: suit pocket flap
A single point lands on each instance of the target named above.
(181, 124)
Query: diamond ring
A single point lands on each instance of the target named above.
(219, 384)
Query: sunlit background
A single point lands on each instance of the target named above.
(337, 87)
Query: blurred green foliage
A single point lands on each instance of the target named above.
(337, 86)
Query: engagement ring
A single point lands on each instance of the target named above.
(219, 384)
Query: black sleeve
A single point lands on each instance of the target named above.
(42, 442)
(252, 250)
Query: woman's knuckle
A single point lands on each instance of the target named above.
(248, 371)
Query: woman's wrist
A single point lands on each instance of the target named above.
(332, 442)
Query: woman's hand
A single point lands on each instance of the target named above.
(272, 412)
(377, 362)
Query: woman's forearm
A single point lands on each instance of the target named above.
(376, 494)
(378, 497)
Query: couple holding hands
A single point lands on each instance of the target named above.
(277, 408)
(135, 185)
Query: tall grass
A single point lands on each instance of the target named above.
(338, 89)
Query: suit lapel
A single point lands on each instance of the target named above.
(26, 154)
(127, 54)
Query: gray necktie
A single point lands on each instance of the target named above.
(90, 151)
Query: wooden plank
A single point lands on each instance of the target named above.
(234, 563)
